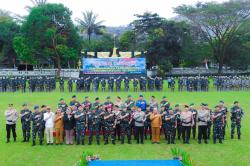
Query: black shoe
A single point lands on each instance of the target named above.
(14, 139)
(34, 143)
(113, 142)
(199, 141)
(28, 140)
(41, 142)
(142, 142)
(106, 143)
(89, 143)
(24, 140)
(206, 142)
(214, 141)
(232, 137)
(52, 144)
(238, 136)
(168, 142)
(98, 142)
(122, 142)
(188, 141)
(129, 142)
(137, 142)
(48, 143)
(7, 141)
(220, 141)
(172, 142)
(82, 142)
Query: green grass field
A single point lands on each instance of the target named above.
(231, 153)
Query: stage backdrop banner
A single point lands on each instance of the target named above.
(114, 66)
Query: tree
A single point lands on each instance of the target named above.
(218, 24)
(36, 3)
(49, 31)
(144, 25)
(24, 52)
(8, 30)
(127, 41)
(90, 24)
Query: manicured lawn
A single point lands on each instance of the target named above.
(231, 153)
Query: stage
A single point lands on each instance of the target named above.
(135, 163)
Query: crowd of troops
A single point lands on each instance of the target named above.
(113, 84)
(35, 84)
(118, 121)
(224, 83)
(189, 83)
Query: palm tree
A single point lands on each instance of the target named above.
(89, 24)
(36, 3)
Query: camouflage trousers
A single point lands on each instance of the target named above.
(92, 129)
(125, 130)
(170, 132)
(37, 130)
(217, 132)
(237, 125)
(26, 131)
(109, 131)
(80, 133)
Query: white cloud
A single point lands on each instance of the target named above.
(113, 12)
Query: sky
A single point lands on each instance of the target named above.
(112, 12)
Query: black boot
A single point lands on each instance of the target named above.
(113, 142)
(214, 141)
(15, 139)
(129, 142)
(41, 142)
(188, 142)
(206, 142)
(238, 136)
(78, 142)
(199, 141)
(33, 143)
(122, 142)
(98, 142)
(106, 142)
(8, 140)
(232, 137)
(220, 141)
(28, 140)
(82, 142)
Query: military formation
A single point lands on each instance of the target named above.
(124, 121)
(225, 83)
(140, 83)
(33, 84)
(189, 83)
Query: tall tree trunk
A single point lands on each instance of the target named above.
(220, 67)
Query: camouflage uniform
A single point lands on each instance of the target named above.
(217, 127)
(236, 115)
(125, 127)
(25, 120)
(80, 126)
(170, 128)
(109, 128)
(94, 126)
(37, 126)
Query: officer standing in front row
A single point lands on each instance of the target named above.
(125, 127)
(81, 124)
(37, 125)
(25, 116)
(236, 116)
(218, 122)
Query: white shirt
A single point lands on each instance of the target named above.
(49, 119)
